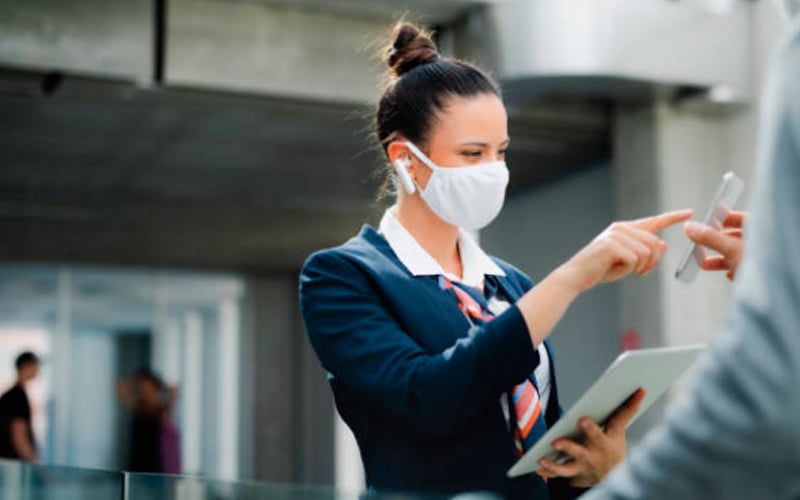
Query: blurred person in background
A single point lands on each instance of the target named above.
(437, 353)
(733, 434)
(16, 432)
(154, 439)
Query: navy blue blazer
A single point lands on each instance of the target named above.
(418, 384)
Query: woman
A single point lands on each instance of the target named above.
(437, 353)
(154, 439)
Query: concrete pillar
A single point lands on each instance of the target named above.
(669, 159)
(319, 455)
(62, 352)
(670, 156)
(271, 380)
(192, 394)
(288, 430)
(228, 405)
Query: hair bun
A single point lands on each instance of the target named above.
(412, 47)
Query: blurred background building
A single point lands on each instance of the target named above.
(167, 165)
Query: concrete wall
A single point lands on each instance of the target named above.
(112, 38)
(283, 51)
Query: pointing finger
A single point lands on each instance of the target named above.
(660, 222)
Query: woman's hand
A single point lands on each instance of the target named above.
(623, 248)
(600, 453)
(727, 242)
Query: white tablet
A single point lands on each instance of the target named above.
(650, 369)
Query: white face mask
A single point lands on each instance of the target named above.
(469, 197)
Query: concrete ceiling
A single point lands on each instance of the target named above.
(104, 172)
(429, 11)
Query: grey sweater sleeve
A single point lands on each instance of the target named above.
(735, 433)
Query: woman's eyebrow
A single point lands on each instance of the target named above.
(482, 144)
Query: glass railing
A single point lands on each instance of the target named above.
(23, 481)
(162, 487)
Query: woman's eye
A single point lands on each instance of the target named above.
(472, 154)
(502, 153)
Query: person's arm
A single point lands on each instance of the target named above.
(623, 248)
(20, 439)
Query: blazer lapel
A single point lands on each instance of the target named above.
(509, 289)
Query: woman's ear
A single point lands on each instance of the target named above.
(399, 158)
(397, 150)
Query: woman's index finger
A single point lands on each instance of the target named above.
(660, 222)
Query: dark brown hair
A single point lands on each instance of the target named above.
(421, 81)
(26, 358)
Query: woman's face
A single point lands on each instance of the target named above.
(468, 131)
(149, 393)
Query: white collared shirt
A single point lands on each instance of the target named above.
(474, 262)
(475, 265)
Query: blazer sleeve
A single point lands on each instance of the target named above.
(359, 342)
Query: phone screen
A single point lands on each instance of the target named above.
(721, 205)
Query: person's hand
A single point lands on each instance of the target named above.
(623, 248)
(601, 451)
(726, 241)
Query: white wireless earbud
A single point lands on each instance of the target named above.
(401, 167)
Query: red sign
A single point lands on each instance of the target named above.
(630, 340)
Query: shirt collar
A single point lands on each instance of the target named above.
(475, 263)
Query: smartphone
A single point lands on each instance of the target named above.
(727, 194)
